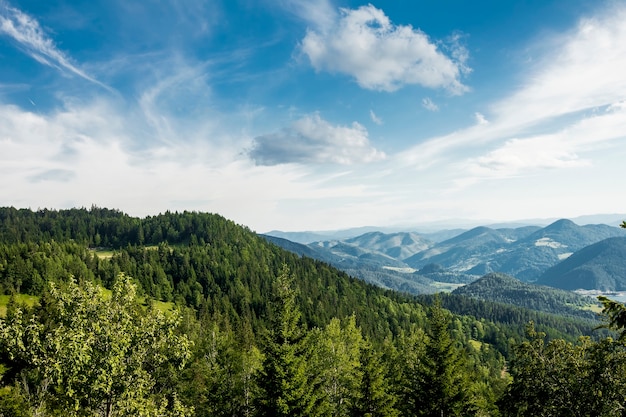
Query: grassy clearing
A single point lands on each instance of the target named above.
(104, 253)
(29, 300)
(163, 306)
(595, 307)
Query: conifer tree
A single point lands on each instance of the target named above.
(336, 365)
(375, 398)
(283, 383)
(440, 378)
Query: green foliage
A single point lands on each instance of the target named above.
(375, 396)
(220, 378)
(272, 333)
(560, 378)
(13, 403)
(84, 353)
(502, 288)
(285, 388)
(615, 315)
(336, 362)
(441, 379)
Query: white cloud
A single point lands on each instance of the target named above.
(429, 105)
(579, 72)
(480, 118)
(27, 32)
(364, 44)
(580, 69)
(80, 156)
(312, 140)
(558, 150)
(319, 13)
(375, 118)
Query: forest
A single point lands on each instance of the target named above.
(190, 314)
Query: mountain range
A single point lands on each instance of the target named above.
(524, 252)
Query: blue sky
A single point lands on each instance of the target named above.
(315, 114)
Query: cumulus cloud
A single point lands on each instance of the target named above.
(429, 105)
(29, 35)
(78, 157)
(312, 140)
(364, 44)
(60, 175)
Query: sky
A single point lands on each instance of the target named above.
(315, 114)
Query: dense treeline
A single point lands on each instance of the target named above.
(258, 331)
(506, 289)
(101, 227)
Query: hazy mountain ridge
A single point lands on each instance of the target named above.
(601, 266)
(525, 252)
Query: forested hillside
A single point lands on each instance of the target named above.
(506, 289)
(252, 330)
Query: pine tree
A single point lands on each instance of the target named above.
(283, 383)
(437, 384)
(375, 398)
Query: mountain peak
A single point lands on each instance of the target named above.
(562, 224)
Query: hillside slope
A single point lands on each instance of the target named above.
(503, 288)
(601, 266)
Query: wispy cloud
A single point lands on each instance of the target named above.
(428, 104)
(313, 140)
(577, 70)
(561, 149)
(27, 32)
(364, 44)
(319, 13)
(540, 125)
(375, 118)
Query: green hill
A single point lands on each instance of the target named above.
(503, 288)
(601, 266)
(201, 260)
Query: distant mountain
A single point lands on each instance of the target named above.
(298, 237)
(503, 288)
(601, 266)
(402, 258)
(524, 252)
(529, 257)
(441, 235)
(368, 265)
(465, 251)
(297, 248)
(332, 235)
(396, 245)
(353, 255)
